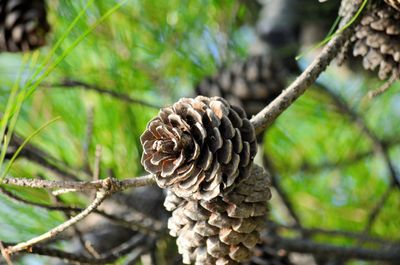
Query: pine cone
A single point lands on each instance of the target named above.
(377, 40)
(251, 84)
(199, 147)
(394, 3)
(23, 25)
(224, 230)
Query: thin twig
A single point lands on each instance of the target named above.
(378, 207)
(335, 233)
(134, 256)
(87, 245)
(135, 220)
(124, 97)
(100, 197)
(281, 192)
(307, 246)
(5, 255)
(265, 117)
(42, 158)
(105, 258)
(362, 125)
(80, 185)
(384, 87)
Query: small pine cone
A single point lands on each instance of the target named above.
(224, 230)
(394, 3)
(23, 25)
(251, 84)
(377, 40)
(199, 147)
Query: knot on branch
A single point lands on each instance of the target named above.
(111, 185)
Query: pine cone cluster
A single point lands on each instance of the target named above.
(251, 84)
(377, 40)
(23, 25)
(199, 147)
(224, 230)
(202, 149)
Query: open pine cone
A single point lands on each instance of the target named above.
(377, 37)
(23, 25)
(377, 40)
(224, 230)
(199, 147)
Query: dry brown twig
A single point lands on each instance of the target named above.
(80, 185)
(104, 189)
(101, 195)
(385, 87)
(5, 254)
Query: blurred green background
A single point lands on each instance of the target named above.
(156, 51)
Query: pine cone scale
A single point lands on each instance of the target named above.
(23, 25)
(377, 39)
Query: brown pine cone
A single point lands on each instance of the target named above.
(224, 230)
(199, 147)
(377, 40)
(251, 84)
(23, 25)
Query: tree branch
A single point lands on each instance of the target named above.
(80, 185)
(265, 117)
(307, 246)
(100, 197)
(123, 97)
(107, 257)
(377, 208)
(334, 233)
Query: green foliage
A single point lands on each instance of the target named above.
(157, 51)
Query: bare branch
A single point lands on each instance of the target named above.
(362, 125)
(105, 258)
(378, 207)
(5, 254)
(308, 246)
(384, 87)
(80, 185)
(100, 90)
(335, 233)
(379, 146)
(100, 197)
(265, 117)
(135, 220)
(281, 192)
